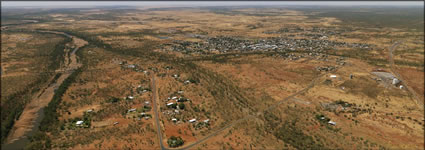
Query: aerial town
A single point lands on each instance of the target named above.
(212, 76)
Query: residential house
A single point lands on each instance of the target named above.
(186, 82)
(332, 123)
(192, 120)
(79, 123)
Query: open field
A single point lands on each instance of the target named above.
(223, 78)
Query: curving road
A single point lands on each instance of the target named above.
(312, 83)
(259, 113)
(392, 67)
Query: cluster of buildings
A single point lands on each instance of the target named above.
(177, 76)
(339, 61)
(224, 44)
(175, 105)
(136, 67)
(142, 112)
(316, 31)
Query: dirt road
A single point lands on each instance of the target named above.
(32, 113)
(155, 109)
(418, 101)
(259, 113)
(312, 83)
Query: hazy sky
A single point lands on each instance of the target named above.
(201, 3)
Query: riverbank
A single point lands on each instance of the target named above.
(30, 119)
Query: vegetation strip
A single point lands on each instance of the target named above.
(15, 107)
(50, 122)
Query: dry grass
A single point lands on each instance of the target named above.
(235, 87)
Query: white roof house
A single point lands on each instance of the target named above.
(169, 104)
(332, 76)
(142, 113)
(131, 66)
(79, 123)
(130, 97)
(401, 86)
(192, 120)
(90, 110)
(131, 110)
(175, 97)
(174, 120)
(147, 102)
(207, 120)
(187, 82)
(332, 123)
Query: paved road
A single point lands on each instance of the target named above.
(392, 67)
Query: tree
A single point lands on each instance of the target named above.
(175, 141)
(181, 105)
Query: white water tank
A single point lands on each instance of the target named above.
(395, 81)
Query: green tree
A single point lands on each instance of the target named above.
(175, 141)
(181, 105)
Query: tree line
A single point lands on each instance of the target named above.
(16, 102)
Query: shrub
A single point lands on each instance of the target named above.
(175, 141)
(181, 105)
(146, 108)
(113, 100)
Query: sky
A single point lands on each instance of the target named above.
(201, 3)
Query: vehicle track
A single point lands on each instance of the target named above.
(258, 114)
(393, 70)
